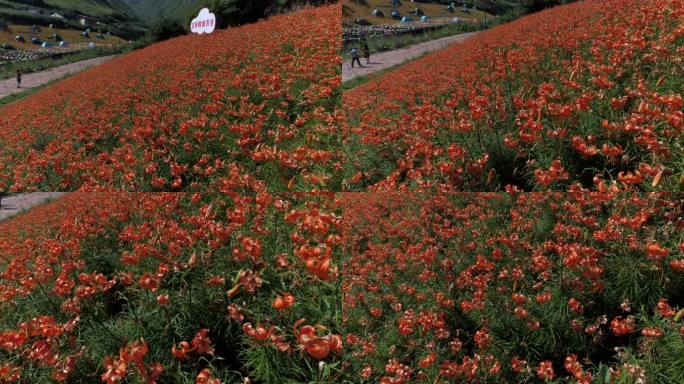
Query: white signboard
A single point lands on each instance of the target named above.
(205, 22)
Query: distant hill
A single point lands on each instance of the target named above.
(436, 9)
(114, 16)
(149, 10)
(93, 7)
(72, 8)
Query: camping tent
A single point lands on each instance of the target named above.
(63, 44)
(418, 12)
(56, 37)
(406, 19)
(377, 13)
(86, 34)
(425, 18)
(396, 15)
(20, 38)
(359, 21)
(46, 45)
(35, 40)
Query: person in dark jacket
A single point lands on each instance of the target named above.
(355, 57)
(366, 53)
(18, 78)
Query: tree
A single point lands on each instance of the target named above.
(239, 12)
(231, 12)
(165, 29)
(537, 5)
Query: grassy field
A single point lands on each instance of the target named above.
(353, 9)
(69, 35)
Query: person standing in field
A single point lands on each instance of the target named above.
(18, 78)
(355, 57)
(366, 53)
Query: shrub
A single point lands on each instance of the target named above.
(165, 29)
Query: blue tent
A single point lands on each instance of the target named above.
(396, 15)
(46, 45)
(35, 40)
(406, 19)
(63, 44)
(424, 18)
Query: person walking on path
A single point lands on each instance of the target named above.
(18, 78)
(355, 57)
(366, 53)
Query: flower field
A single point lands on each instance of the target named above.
(261, 100)
(171, 288)
(586, 94)
(352, 287)
(514, 288)
(506, 210)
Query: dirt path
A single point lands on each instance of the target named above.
(389, 59)
(31, 80)
(12, 205)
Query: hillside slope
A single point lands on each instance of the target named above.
(260, 99)
(174, 9)
(106, 15)
(353, 9)
(575, 96)
(93, 7)
(72, 8)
